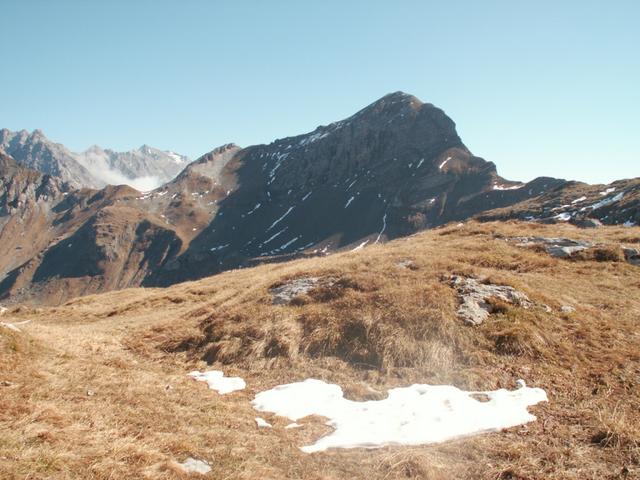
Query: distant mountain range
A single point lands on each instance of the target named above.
(144, 169)
(392, 169)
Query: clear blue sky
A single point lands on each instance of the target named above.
(538, 87)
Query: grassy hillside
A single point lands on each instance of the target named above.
(97, 388)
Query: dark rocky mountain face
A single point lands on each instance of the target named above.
(395, 167)
(391, 169)
(144, 168)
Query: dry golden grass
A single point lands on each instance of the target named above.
(98, 386)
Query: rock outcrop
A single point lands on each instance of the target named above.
(475, 298)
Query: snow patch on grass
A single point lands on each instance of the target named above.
(218, 382)
(262, 423)
(192, 465)
(414, 415)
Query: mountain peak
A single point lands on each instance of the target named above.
(392, 104)
(145, 148)
(400, 96)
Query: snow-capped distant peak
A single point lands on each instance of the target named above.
(179, 159)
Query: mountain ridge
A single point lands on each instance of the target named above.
(144, 168)
(393, 168)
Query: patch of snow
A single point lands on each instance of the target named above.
(349, 202)
(361, 246)
(262, 423)
(218, 382)
(273, 236)
(627, 224)
(444, 163)
(384, 226)
(280, 219)
(420, 163)
(608, 191)
(414, 415)
(220, 247)
(254, 209)
(288, 243)
(292, 425)
(607, 201)
(351, 184)
(312, 138)
(306, 196)
(175, 157)
(578, 200)
(503, 187)
(12, 326)
(192, 465)
(279, 159)
(564, 217)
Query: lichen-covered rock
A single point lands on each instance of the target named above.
(474, 295)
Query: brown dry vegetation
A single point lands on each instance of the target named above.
(97, 387)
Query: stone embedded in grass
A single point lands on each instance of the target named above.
(632, 255)
(475, 297)
(285, 293)
(414, 415)
(587, 222)
(406, 264)
(193, 465)
(218, 382)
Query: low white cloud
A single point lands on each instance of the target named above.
(99, 168)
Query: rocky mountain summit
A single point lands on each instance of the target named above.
(144, 168)
(392, 169)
